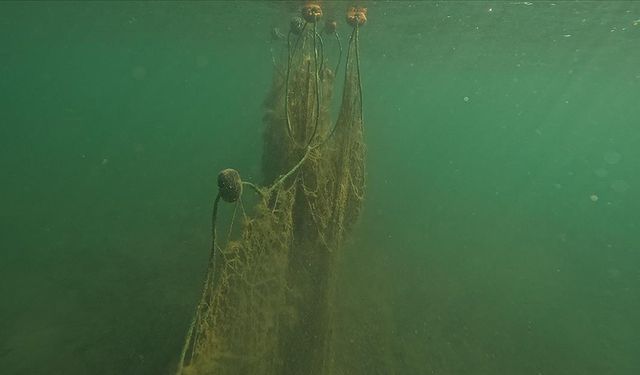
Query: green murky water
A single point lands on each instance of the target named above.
(500, 233)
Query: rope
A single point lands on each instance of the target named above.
(317, 79)
(335, 74)
(286, 83)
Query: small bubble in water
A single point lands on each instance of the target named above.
(466, 99)
(594, 198)
(139, 73)
(614, 273)
(620, 186)
(601, 172)
(612, 157)
(202, 61)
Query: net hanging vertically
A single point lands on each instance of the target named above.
(267, 300)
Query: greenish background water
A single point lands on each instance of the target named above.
(500, 232)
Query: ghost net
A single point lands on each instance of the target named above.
(267, 299)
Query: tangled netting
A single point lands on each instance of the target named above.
(267, 300)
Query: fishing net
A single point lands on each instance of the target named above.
(267, 305)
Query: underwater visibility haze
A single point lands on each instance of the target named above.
(491, 227)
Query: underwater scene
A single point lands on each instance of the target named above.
(322, 188)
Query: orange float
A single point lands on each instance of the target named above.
(311, 12)
(356, 16)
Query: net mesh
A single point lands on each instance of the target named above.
(267, 305)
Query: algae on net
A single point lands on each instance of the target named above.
(266, 305)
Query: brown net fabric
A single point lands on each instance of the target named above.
(267, 305)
